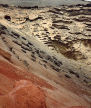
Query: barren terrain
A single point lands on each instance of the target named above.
(45, 57)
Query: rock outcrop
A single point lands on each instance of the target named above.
(33, 71)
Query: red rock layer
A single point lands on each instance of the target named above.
(20, 89)
(15, 73)
(24, 95)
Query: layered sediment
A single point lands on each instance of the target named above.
(45, 59)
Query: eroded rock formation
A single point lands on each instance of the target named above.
(33, 71)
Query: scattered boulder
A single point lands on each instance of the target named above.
(34, 17)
